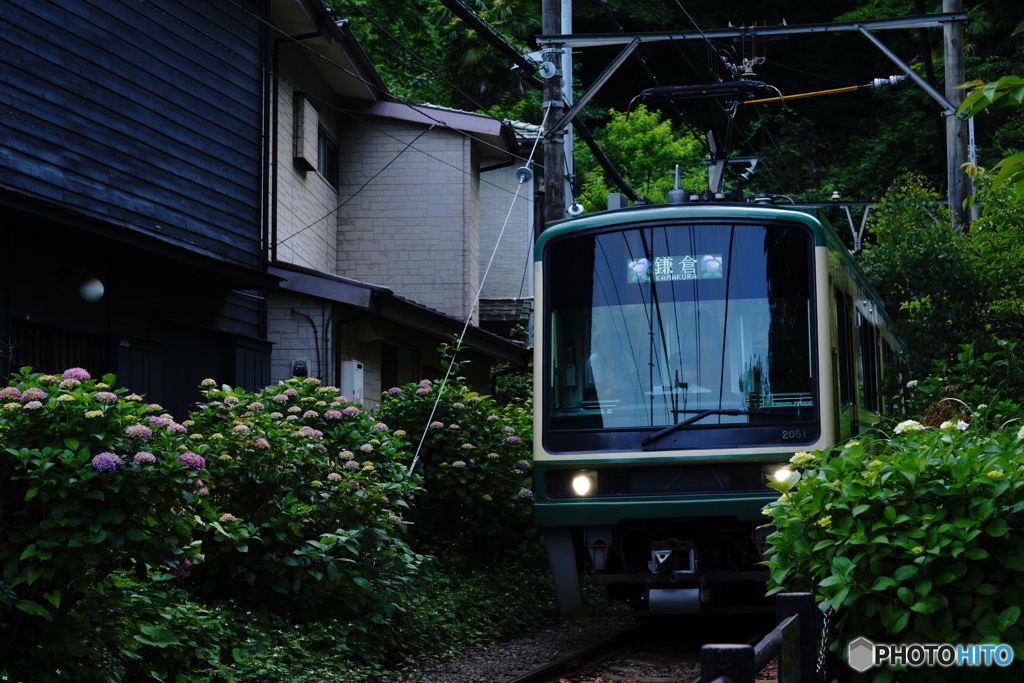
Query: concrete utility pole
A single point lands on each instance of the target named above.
(958, 183)
(554, 151)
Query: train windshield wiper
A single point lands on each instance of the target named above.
(701, 414)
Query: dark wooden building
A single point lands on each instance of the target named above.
(132, 154)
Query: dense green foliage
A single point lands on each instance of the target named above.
(909, 533)
(924, 268)
(645, 149)
(911, 538)
(266, 536)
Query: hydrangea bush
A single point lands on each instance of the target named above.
(475, 460)
(910, 538)
(82, 494)
(305, 495)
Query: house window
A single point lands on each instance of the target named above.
(327, 157)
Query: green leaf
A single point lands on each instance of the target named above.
(883, 582)
(997, 527)
(905, 572)
(157, 636)
(33, 608)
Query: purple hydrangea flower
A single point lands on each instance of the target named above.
(240, 429)
(309, 432)
(175, 428)
(509, 430)
(332, 414)
(523, 465)
(195, 460)
(105, 397)
(351, 465)
(33, 394)
(492, 418)
(437, 425)
(106, 461)
(261, 443)
(138, 430)
(351, 410)
(347, 454)
(289, 392)
(143, 456)
(513, 439)
(459, 406)
(333, 476)
(208, 382)
(423, 391)
(459, 464)
(379, 427)
(255, 405)
(309, 414)
(525, 493)
(156, 421)
(280, 398)
(394, 391)
(8, 393)
(81, 374)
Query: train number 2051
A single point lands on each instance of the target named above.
(794, 434)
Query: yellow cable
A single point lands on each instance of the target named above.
(850, 88)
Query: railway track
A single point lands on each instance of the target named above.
(665, 650)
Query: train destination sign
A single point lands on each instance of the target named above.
(671, 268)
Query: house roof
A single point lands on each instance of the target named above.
(342, 63)
(383, 303)
(497, 139)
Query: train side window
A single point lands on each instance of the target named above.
(846, 370)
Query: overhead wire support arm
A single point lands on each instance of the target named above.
(748, 32)
(601, 80)
(949, 107)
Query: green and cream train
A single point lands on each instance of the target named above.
(683, 353)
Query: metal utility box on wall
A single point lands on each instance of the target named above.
(351, 385)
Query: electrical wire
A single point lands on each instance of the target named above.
(476, 301)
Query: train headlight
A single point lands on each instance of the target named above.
(778, 473)
(584, 483)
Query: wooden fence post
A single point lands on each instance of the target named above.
(735, 662)
(803, 668)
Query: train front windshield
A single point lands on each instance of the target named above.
(691, 326)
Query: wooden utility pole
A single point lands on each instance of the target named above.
(958, 183)
(554, 151)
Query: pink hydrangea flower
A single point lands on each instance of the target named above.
(32, 394)
(193, 460)
(350, 410)
(141, 431)
(81, 374)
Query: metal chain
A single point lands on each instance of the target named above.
(823, 645)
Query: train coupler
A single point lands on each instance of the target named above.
(677, 559)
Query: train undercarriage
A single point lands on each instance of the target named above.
(662, 566)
